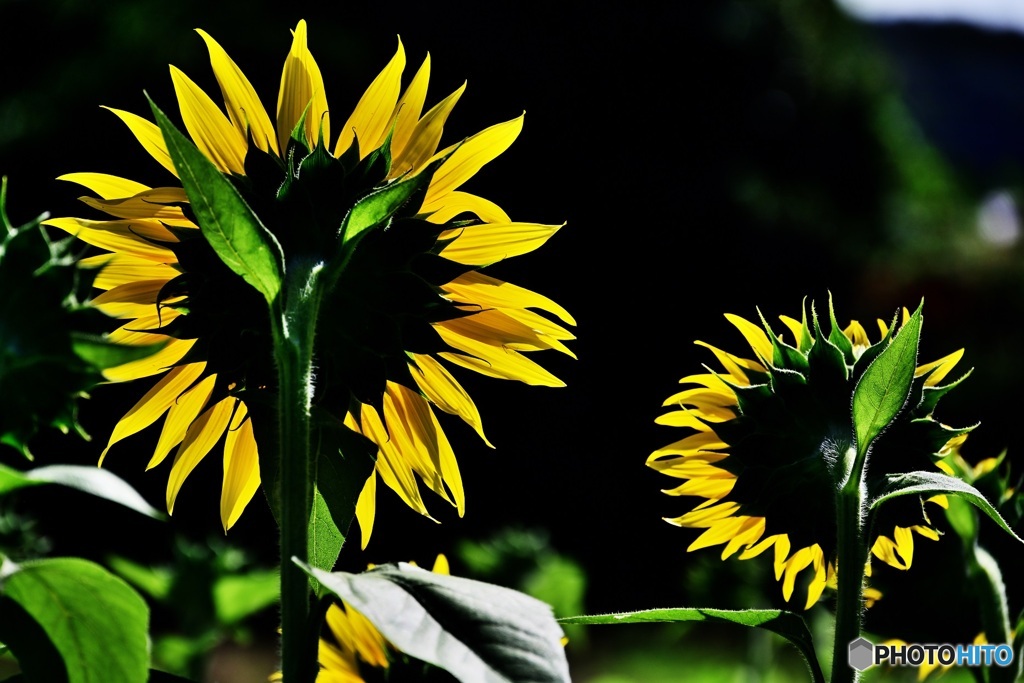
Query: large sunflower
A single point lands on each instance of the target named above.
(410, 297)
(768, 435)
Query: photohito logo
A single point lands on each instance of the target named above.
(864, 654)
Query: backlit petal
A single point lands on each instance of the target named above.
(241, 468)
(301, 86)
(212, 132)
(481, 245)
(245, 109)
(149, 136)
(372, 117)
(470, 157)
(202, 435)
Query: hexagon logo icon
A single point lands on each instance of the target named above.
(861, 654)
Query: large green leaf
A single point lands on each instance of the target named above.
(241, 241)
(476, 631)
(885, 385)
(95, 621)
(932, 483)
(93, 480)
(788, 625)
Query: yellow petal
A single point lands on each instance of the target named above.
(155, 204)
(354, 632)
(492, 326)
(481, 245)
(366, 508)
(796, 564)
(408, 110)
(241, 468)
(754, 335)
(455, 203)
(202, 435)
(212, 132)
(154, 403)
(715, 488)
(124, 237)
(106, 186)
(245, 109)
(817, 585)
(407, 416)
(733, 364)
(705, 517)
(393, 468)
(475, 287)
(130, 300)
(857, 335)
(694, 444)
(181, 415)
(441, 565)
(370, 120)
(301, 86)
(449, 467)
(470, 157)
(445, 392)
(135, 332)
(151, 365)
(119, 269)
(939, 368)
(691, 467)
(149, 136)
(494, 361)
(423, 145)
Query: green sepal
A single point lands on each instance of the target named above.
(790, 626)
(883, 389)
(825, 359)
(783, 355)
(930, 396)
(474, 630)
(102, 353)
(297, 138)
(96, 622)
(933, 483)
(231, 228)
(377, 207)
(836, 336)
(806, 339)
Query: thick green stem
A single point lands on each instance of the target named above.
(294, 325)
(852, 553)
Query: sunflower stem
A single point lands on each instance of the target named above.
(294, 326)
(852, 554)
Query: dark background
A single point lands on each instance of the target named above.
(708, 157)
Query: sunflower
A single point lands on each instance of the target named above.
(410, 302)
(768, 435)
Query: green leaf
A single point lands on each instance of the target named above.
(475, 631)
(345, 459)
(788, 625)
(325, 540)
(885, 385)
(932, 483)
(96, 622)
(236, 597)
(93, 480)
(228, 224)
(155, 582)
(103, 353)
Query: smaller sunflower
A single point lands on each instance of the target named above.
(766, 440)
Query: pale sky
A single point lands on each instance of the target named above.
(998, 14)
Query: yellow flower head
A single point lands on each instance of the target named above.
(767, 436)
(410, 298)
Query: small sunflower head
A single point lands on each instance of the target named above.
(772, 439)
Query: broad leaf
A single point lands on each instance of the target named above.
(95, 621)
(932, 483)
(885, 385)
(93, 480)
(476, 631)
(788, 625)
(228, 224)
